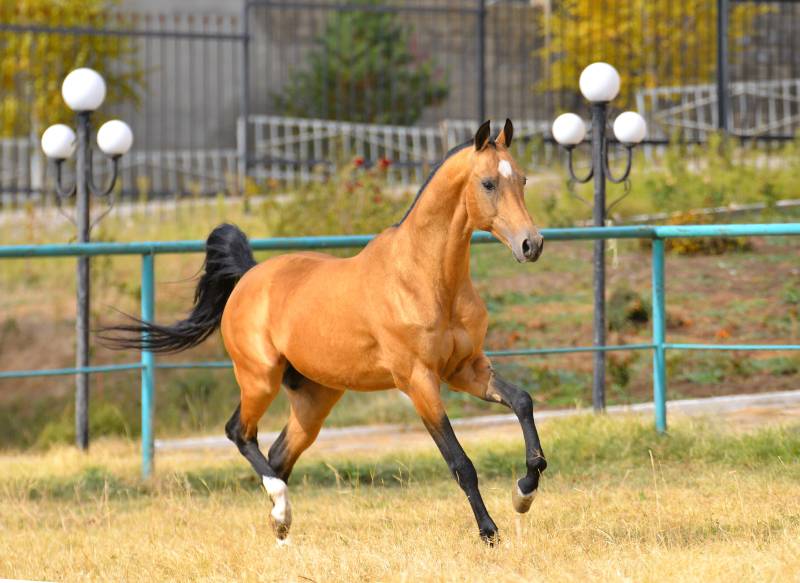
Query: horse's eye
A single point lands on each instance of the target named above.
(488, 184)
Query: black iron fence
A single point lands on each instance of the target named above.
(176, 79)
(283, 87)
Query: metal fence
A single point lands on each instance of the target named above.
(176, 79)
(659, 344)
(198, 89)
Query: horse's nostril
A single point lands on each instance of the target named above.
(526, 247)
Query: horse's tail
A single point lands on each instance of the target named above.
(228, 257)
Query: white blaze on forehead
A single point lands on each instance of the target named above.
(504, 168)
(276, 488)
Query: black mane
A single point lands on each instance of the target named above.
(452, 152)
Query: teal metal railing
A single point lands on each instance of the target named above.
(148, 250)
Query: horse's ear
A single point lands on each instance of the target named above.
(506, 135)
(482, 135)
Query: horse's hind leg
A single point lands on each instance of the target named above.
(259, 385)
(310, 405)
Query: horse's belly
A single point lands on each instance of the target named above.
(339, 355)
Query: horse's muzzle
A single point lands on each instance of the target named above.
(527, 247)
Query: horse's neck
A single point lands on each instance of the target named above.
(435, 237)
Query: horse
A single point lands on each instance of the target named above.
(402, 313)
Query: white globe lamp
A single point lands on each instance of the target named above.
(569, 129)
(115, 138)
(59, 142)
(630, 127)
(599, 82)
(83, 90)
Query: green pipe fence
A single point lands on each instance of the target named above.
(148, 251)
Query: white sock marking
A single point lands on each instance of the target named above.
(277, 490)
(505, 169)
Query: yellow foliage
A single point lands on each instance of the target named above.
(650, 42)
(33, 64)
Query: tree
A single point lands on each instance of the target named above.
(34, 63)
(363, 69)
(651, 42)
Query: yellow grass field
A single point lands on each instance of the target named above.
(618, 503)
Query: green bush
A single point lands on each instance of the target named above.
(682, 179)
(353, 201)
(627, 309)
(363, 69)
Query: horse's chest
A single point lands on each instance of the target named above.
(461, 347)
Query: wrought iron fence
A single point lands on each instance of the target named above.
(201, 90)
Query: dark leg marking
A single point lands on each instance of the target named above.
(464, 472)
(279, 457)
(248, 446)
(521, 403)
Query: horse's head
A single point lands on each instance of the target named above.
(495, 195)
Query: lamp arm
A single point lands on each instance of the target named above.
(112, 182)
(607, 170)
(61, 191)
(572, 175)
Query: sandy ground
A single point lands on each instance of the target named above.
(740, 412)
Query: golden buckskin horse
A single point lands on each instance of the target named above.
(401, 313)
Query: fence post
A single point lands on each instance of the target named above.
(244, 104)
(481, 61)
(659, 334)
(148, 367)
(723, 74)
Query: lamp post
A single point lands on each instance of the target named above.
(83, 91)
(599, 83)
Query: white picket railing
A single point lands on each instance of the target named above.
(758, 108)
(302, 149)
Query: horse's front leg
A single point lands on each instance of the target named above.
(480, 379)
(423, 390)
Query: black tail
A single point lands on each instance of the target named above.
(228, 257)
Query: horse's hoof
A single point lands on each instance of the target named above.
(281, 527)
(522, 502)
(490, 537)
(281, 514)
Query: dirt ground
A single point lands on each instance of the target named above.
(377, 439)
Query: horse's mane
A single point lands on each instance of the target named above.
(422, 188)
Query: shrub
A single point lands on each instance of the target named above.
(353, 201)
(627, 309)
(363, 69)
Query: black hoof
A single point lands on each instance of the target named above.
(490, 537)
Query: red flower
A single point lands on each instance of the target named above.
(384, 163)
(358, 162)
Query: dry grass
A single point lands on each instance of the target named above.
(711, 516)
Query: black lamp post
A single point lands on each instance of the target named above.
(84, 91)
(599, 83)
